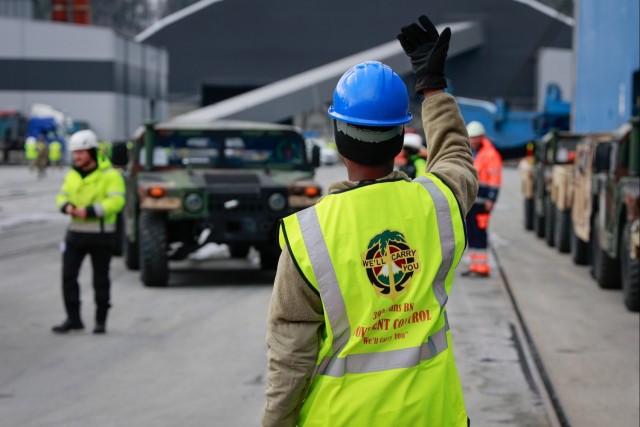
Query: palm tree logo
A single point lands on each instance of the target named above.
(390, 263)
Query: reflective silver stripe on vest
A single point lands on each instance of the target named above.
(336, 309)
(326, 277)
(447, 237)
(91, 227)
(394, 359)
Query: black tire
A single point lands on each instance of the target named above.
(539, 226)
(239, 250)
(529, 214)
(118, 244)
(606, 270)
(549, 221)
(579, 250)
(154, 262)
(269, 258)
(131, 255)
(630, 272)
(563, 230)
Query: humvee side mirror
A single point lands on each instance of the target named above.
(119, 154)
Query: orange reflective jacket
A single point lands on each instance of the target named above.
(488, 162)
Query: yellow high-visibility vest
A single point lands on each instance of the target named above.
(103, 189)
(55, 151)
(382, 258)
(30, 150)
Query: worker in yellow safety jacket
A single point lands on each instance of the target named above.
(93, 193)
(31, 151)
(414, 152)
(55, 153)
(357, 330)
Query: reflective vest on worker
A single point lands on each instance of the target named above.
(30, 149)
(104, 189)
(55, 151)
(384, 292)
(488, 162)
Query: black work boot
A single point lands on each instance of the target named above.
(73, 321)
(67, 326)
(101, 320)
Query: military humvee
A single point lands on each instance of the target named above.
(554, 157)
(592, 158)
(227, 182)
(526, 167)
(616, 217)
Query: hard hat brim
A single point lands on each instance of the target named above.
(357, 121)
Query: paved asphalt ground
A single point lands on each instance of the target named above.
(193, 354)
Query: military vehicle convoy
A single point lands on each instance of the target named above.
(226, 182)
(595, 203)
(554, 156)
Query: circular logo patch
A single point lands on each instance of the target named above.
(390, 263)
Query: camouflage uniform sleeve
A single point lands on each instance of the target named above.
(449, 153)
(293, 340)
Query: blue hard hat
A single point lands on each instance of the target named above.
(371, 94)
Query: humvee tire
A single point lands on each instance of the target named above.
(154, 262)
(529, 214)
(131, 254)
(563, 230)
(630, 270)
(539, 226)
(579, 250)
(549, 221)
(605, 269)
(118, 243)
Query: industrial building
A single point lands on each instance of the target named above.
(90, 73)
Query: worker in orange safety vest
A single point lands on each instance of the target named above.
(488, 162)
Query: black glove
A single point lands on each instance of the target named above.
(428, 51)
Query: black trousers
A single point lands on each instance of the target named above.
(99, 246)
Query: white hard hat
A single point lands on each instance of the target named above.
(475, 128)
(412, 140)
(31, 140)
(83, 140)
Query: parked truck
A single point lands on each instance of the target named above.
(592, 159)
(225, 182)
(13, 131)
(616, 217)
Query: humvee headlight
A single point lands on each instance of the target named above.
(277, 202)
(193, 202)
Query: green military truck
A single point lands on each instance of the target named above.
(616, 217)
(555, 153)
(227, 182)
(592, 159)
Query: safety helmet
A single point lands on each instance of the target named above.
(83, 140)
(412, 140)
(371, 94)
(475, 128)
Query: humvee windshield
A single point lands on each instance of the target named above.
(238, 149)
